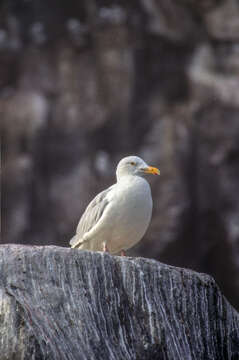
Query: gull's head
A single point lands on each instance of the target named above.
(134, 165)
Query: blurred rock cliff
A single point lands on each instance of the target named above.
(84, 83)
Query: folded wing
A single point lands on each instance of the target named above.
(92, 215)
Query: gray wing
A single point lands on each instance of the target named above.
(91, 216)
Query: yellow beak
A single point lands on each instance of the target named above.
(151, 170)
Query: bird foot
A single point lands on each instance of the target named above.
(123, 253)
(105, 249)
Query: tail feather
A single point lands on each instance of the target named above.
(74, 242)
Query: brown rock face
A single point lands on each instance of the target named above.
(85, 83)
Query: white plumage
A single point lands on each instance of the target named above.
(118, 217)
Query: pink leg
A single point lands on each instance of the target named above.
(105, 249)
(123, 253)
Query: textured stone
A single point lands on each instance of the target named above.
(58, 303)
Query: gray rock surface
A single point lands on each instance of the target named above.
(58, 303)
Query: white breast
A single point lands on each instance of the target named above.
(130, 213)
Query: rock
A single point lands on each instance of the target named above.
(223, 22)
(154, 78)
(58, 303)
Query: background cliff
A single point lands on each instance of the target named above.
(84, 83)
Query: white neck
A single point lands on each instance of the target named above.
(127, 176)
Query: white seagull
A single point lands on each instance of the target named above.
(118, 217)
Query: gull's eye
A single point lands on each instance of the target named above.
(132, 163)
